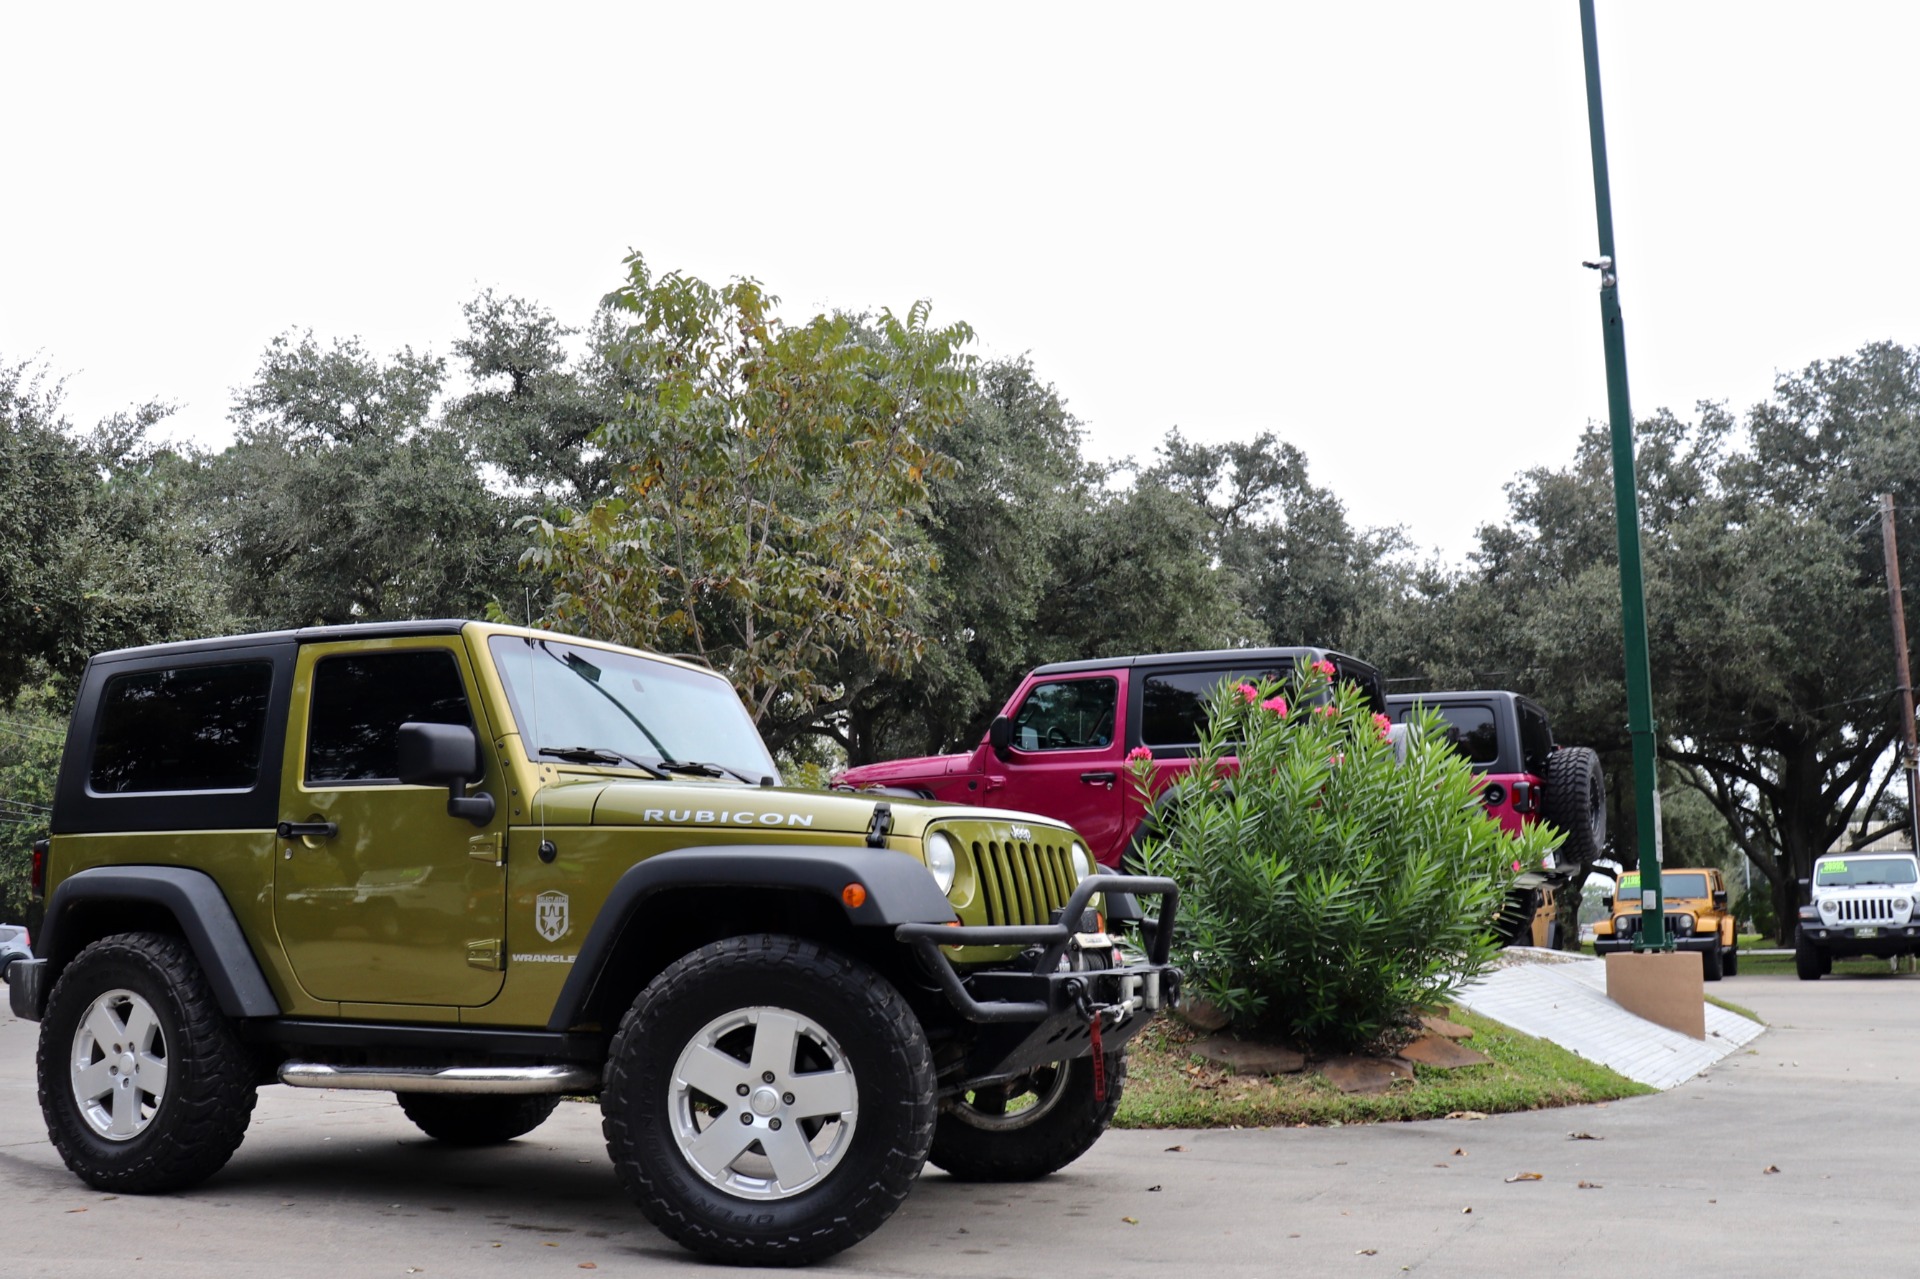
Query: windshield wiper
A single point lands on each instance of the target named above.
(699, 769)
(599, 755)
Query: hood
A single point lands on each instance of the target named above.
(747, 809)
(905, 772)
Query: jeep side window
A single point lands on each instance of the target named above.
(1367, 680)
(1066, 715)
(1173, 707)
(190, 728)
(1470, 730)
(360, 700)
(1536, 740)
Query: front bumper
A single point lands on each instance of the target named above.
(1885, 941)
(1618, 945)
(1047, 1012)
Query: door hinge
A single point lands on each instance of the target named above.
(486, 954)
(487, 848)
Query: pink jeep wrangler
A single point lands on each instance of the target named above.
(1060, 745)
(1527, 778)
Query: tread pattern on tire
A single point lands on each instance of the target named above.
(463, 1120)
(643, 1051)
(1576, 802)
(210, 1078)
(967, 1153)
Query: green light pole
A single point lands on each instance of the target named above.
(1626, 505)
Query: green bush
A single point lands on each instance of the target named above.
(1328, 890)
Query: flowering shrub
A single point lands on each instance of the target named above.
(1329, 890)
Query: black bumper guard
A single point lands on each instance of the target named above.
(1047, 990)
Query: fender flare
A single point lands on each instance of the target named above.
(900, 890)
(196, 904)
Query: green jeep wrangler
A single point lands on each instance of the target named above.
(482, 867)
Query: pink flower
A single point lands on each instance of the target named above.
(1337, 758)
(1278, 705)
(1385, 726)
(1516, 868)
(1328, 711)
(1325, 668)
(1249, 692)
(1139, 753)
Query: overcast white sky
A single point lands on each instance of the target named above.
(1357, 226)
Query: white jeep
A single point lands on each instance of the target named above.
(1863, 904)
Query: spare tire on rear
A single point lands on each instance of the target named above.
(1576, 802)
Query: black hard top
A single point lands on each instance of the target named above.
(304, 635)
(1210, 657)
(1396, 701)
(1408, 699)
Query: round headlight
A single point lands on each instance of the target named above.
(1828, 906)
(1082, 863)
(941, 860)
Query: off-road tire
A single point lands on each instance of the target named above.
(973, 1141)
(139, 1001)
(1711, 960)
(1809, 962)
(1730, 962)
(461, 1120)
(1576, 803)
(847, 1016)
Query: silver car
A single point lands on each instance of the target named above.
(14, 944)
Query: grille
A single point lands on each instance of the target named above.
(1864, 910)
(1629, 925)
(1022, 882)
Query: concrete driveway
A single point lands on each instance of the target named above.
(339, 1184)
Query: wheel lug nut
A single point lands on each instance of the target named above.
(787, 1097)
(766, 1077)
(746, 1116)
(742, 1090)
(774, 1124)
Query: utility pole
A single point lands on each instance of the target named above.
(1903, 672)
(1626, 506)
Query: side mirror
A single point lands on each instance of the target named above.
(1720, 899)
(1805, 882)
(1607, 902)
(1000, 735)
(445, 755)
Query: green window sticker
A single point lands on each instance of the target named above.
(1839, 866)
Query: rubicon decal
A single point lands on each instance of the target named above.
(550, 915)
(706, 816)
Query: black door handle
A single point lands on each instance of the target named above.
(1096, 779)
(307, 830)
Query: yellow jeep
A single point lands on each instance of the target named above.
(1696, 914)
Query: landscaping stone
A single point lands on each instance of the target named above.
(1443, 1052)
(1363, 1074)
(1201, 1014)
(1442, 1026)
(1244, 1058)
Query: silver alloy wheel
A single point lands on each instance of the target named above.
(119, 1065)
(994, 1108)
(763, 1103)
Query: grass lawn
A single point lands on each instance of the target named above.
(1169, 1087)
(1757, 965)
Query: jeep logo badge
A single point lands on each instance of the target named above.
(1020, 832)
(550, 915)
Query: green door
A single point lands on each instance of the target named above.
(399, 903)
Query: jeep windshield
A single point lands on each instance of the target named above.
(1671, 885)
(1851, 872)
(603, 706)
